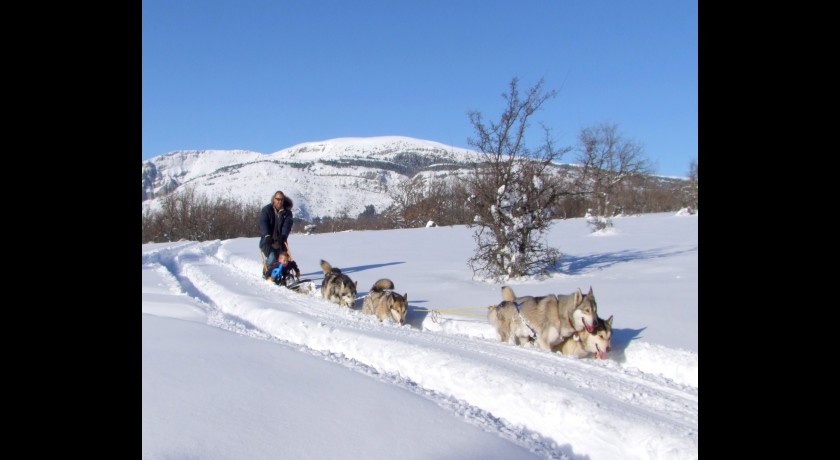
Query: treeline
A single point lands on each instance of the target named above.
(186, 215)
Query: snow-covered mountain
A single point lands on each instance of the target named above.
(326, 178)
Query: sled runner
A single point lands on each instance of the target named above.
(301, 286)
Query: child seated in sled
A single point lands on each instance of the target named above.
(284, 271)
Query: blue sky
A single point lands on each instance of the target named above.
(265, 75)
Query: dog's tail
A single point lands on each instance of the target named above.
(382, 284)
(327, 268)
(507, 294)
(492, 315)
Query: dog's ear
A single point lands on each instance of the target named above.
(609, 322)
(591, 294)
(578, 297)
(507, 294)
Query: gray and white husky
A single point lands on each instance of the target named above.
(582, 344)
(548, 320)
(386, 304)
(337, 287)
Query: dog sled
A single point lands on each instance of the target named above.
(301, 286)
(288, 276)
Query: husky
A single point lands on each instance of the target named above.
(547, 320)
(337, 287)
(582, 343)
(511, 329)
(386, 304)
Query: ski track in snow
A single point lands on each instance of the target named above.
(601, 405)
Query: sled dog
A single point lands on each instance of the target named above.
(337, 287)
(386, 304)
(582, 343)
(548, 319)
(510, 328)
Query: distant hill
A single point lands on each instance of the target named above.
(323, 178)
(327, 178)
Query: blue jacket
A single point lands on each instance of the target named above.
(279, 271)
(278, 227)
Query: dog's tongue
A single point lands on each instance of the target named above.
(601, 353)
(588, 327)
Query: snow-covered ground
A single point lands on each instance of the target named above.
(236, 367)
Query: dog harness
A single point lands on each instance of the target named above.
(525, 321)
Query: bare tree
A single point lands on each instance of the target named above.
(692, 189)
(192, 216)
(513, 190)
(425, 197)
(608, 160)
(405, 196)
(447, 194)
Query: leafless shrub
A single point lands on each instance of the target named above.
(514, 190)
